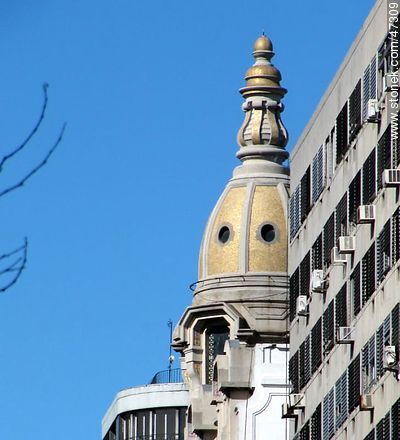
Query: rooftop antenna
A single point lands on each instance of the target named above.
(171, 357)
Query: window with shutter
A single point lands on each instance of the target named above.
(395, 420)
(354, 198)
(369, 86)
(330, 152)
(318, 178)
(368, 274)
(354, 383)
(355, 111)
(294, 212)
(355, 290)
(316, 425)
(307, 360)
(369, 178)
(305, 267)
(328, 411)
(368, 365)
(384, 155)
(341, 307)
(305, 432)
(302, 366)
(396, 236)
(341, 217)
(379, 352)
(316, 346)
(386, 427)
(379, 429)
(329, 328)
(329, 239)
(305, 195)
(384, 62)
(316, 253)
(294, 285)
(383, 260)
(371, 435)
(342, 143)
(396, 327)
(341, 400)
(294, 372)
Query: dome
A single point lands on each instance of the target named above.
(246, 232)
(263, 44)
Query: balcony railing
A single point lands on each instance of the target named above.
(167, 376)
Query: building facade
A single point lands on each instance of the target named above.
(233, 338)
(344, 249)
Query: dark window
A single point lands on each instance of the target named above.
(316, 346)
(294, 372)
(383, 260)
(224, 234)
(267, 233)
(294, 293)
(355, 111)
(355, 289)
(329, 328)
(304, 363)
(329, 239)
(317, 253)
(368, 274)
(396, 236)
(316, 422)
(354, 197)
(369, 179)
(215, 341)
(305, 194)
(384, 155)
(305, 275)
(342, 143)
(354, 383)
(395, 416)
(341, 217)
(341, 307)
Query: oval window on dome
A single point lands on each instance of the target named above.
(268, 233)
(224, 234)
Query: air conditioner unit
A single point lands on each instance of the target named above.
(366, 402)
(391, 177)
(337, 258)
(372, 110)
(344, 335)
(389, 82)
(318, 282)
(297, 401)
(366, 214)
(302, 305)
(389, 357)
(346, 244)
(287, 412)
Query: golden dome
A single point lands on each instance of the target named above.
(263, 44)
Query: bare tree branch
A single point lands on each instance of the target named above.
(31, 134)
(37, 167)
(12, 267)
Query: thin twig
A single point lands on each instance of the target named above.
(31, 134)
(10, 254)
(37, 167)
(19, 270)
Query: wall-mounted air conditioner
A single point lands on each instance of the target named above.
(366, 402)
(297, 401)
(337, 258)
(344, 335)
(391, 177)
(366, 214)
(318, 282)
(287, 412)
(346, 244)
(372, 110)
(389, 357)
(302, 305)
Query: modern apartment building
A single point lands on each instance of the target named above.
(344, 249)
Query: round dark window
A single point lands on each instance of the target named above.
(224, 234)
(268, 233)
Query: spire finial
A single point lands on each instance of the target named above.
(263, 134)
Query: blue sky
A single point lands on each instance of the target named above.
(149, 91)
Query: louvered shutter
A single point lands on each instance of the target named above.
(368, 274)
(294, 372)
(329, 239)
(341, 217)
(329, 415)
(379, 429)
(318, 178)
(316, 346)
(396, 236)
(341, 307)
(383, 262)
(305, 194)
(329, 328)
(386, 427)
(307, 360)
(317, 253)
(354, 384)
(294, 212)
(355, 111)
(371, 435)
(294, 285)
(316, 424)
(396, 327)
(369, 178)
(354, 197)
(305, 432)
(355, 281)
(342, 134)
(301, 366)
(395, 420)
(384, 156)
(305, 267)
(379, 352)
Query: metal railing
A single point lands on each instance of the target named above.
(158, 437)
(168, 376)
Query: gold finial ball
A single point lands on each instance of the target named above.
(263, 44)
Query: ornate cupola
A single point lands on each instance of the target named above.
(240, 298)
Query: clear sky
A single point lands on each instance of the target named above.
(149, 91)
